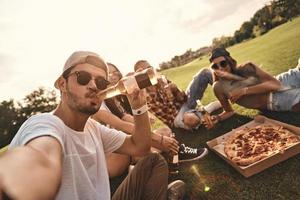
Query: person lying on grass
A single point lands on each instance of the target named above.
(249, 86)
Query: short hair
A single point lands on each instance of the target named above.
(136, 65)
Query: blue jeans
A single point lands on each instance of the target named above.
(285, 99)
(194, 91)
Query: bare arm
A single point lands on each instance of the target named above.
(227, 75)
(268, 84)
(165, 143)
(117, 123)
(32, 172)
(228, 111)
(128, 118)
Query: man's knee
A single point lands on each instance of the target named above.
(204, 74)
(191, 120)
(218, 87)
(155, 159)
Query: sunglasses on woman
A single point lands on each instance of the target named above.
(83, 78)
(222, 64)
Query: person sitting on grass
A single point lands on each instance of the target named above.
(175, 108)
(249, 86)
(113, 113)
(61, 155)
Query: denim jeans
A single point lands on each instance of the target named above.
(285, 99)
(290, 78)
(194, 91)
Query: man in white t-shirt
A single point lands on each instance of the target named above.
(61, 155)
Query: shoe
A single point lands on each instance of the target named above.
(211, 107)
(176, 190)
(187, 153)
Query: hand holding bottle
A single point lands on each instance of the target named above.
(128, 84)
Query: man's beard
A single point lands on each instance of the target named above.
(80, 107)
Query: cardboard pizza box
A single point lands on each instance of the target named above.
(217, 146)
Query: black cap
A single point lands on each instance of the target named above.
(218, 52)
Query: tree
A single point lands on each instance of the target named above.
(287, 8)
(13, 115)
(38, 101)
(246, 30)
(8, 121)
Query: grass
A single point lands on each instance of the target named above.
(212, 177)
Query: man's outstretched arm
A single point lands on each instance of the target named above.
(32, 172)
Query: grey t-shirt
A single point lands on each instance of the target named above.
(84, 171)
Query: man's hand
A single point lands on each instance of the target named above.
(222, 74)
(227, 75)
(152, 119)
(170, 145)
(237, 94)
(214, 119)
(138, 98)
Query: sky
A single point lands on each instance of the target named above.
(37, 36)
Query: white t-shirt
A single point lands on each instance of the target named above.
(84, 172)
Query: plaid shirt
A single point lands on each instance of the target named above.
(162, 105)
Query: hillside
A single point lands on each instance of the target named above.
(276, 51)
(213, 178)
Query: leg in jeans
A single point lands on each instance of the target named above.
(290, 78)
(194, 91)
(197, 87)
(147, 181)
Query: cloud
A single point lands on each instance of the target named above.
(218, 10)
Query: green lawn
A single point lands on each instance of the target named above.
(213, 178)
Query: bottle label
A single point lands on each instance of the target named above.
(130, 84)
(143, 80)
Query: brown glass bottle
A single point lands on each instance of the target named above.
(206, 118)
(173, 162)
(127, 84)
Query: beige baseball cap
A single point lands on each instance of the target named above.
(81, 57)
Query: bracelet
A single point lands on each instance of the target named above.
(140, 110)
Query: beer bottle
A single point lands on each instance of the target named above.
(126, 85)
(174, 162)
(206, 118)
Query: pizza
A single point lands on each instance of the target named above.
(250, 145)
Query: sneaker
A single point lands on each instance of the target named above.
(211, 107)
(187, 153)
(176, 190)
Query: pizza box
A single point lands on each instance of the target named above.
(217, 146)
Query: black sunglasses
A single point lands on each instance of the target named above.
(222, 64)
(83, 78)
